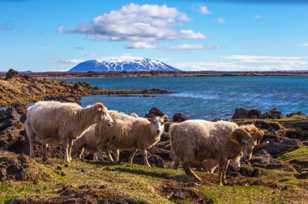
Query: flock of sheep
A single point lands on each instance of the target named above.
(101, 130)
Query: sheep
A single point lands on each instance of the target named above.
(52, 122)
(131, 134)
(88, 140)
(194, 141)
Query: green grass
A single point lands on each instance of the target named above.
(138, 182)
(242, 194)
(299, 154)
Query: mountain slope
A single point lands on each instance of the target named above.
(123, 65)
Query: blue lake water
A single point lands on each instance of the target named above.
(206, 97)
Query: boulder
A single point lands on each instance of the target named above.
(277, 148)
(272, 114)
(154, 112)
(242, 113)
(179, 117)
(10, 74)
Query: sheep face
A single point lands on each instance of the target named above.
(101, 114)
(157, 125)
(246, 141)
(236, 163)
(256, 137)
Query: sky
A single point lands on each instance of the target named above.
(234, 35)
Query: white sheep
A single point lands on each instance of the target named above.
(131, 134)
(88, 140)
(51, 122)
(194, 141)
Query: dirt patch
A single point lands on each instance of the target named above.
(83, 194)
(20, 168)
(184, 192)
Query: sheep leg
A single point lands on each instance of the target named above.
(109, 155)
(66, 155)
(145, 157)
(95, 156)
(70, 147)
(45, 152)
(132, 156)
(117, 155)
(81, 155)
(190, 172)
(223, 166)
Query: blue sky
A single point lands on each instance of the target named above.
(41, 35)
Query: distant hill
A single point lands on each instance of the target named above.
(123, 65)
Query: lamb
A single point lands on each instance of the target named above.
(88, 140)
(51, 122)
(194, 141)
(131, 134)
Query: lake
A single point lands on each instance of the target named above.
(205, 97)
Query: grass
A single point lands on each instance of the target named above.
(138, 182)
(299, 154)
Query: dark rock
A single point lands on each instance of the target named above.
(295, 114)
(254, 113)
(241, 113)
(249, 171)
(154, 112)
(11, 73)
(269, 125)
(272, 114)
(179, 117)
(284, 145)
(261, 158)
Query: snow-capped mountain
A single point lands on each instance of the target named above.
(123, 65)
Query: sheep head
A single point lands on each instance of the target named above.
(246, 141)
(157, 124)
(101, 113)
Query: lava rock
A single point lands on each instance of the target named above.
(179, 117)
(278, 148)
(154, 112)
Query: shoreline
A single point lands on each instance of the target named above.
(16, 88)
(71, 75)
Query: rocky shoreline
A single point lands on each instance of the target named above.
(22, 89)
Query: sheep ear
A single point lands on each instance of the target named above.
(240, 135)
(99, 107)
(164, 119)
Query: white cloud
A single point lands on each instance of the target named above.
(205, 10)
(248, 63)
(305, 44)
(140, 45)
(143, 24)
(194, 47)
(220, 20)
